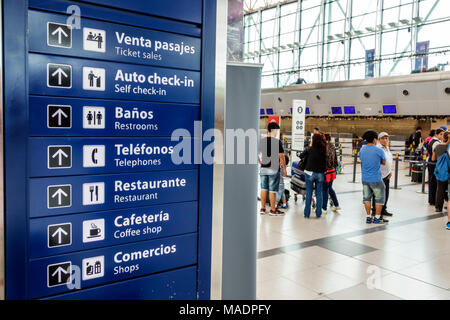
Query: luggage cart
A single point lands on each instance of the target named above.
(298, 184)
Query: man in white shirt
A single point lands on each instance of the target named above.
(386, 172)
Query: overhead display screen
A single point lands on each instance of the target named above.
(336, 110)
(349, 110)
(389, 108)
(269, 111)
(307, 110)
(262, 112)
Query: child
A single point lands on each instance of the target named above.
(281, 194)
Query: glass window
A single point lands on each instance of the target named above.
(358, 71)
(286, 79)
(288, 23)
(310, 17)
(309, 36)
(270, 63)
(434, 33)
(362, 22)
(251, 19)
(289, 8)
(310, 76)
(285, 25)
(270, 42)
(268, 82)
(432, 9)
(288, 38)
(252, 33)
(360, 45)
(310, 3)
(334, 73)
(391, 3)
(334, 52)
(286, 60)
(391, 15)
(364, 6)
(333, 28)
(308, 57)
(434, 60)
(396, 42)
(406, 12)
(395, 67)
(335, 10)
(252, 46)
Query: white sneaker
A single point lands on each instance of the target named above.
(324, 211)
(337, 208)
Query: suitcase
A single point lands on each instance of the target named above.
(298, 185)
(416, 173)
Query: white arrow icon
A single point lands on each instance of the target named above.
(60, 154)
(60, 72)
(59, 193)
(59, 232)
(60, 32)
(59, 271)
(60, 114)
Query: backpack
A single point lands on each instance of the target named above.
(430, 147)
(442, 171)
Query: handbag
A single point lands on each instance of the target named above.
(330, 175)
(303, 160)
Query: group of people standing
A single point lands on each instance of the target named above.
(376, 172)
(320, 171)
(435, 146)
(320, 163)
(273, 163)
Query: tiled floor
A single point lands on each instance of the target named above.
(340, 257)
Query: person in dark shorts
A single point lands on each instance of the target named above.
(271, 160)
(372, 157)
(386, 173)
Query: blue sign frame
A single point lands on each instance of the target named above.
(17, 131)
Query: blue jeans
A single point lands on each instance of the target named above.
(280, 193)
(314, 179)
(328, 190)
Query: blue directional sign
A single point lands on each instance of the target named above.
(69, 156)
(100, 229)
(179, 284)
(49, 33)
(93, 267)
(75, 194)
(104, 195)
(61, 76)
(51, 116)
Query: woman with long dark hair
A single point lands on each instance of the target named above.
(316, 165)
